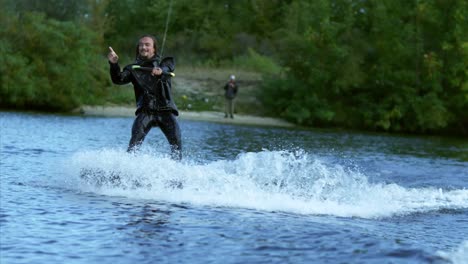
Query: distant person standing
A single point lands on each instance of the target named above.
(230, 92)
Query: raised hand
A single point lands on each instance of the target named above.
(112, 56)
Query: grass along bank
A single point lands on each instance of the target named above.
(199, 95)
(201, 89)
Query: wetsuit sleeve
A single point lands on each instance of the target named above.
(168, 64)
(117, 76)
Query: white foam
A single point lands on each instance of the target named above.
(289, 181)
(457, 256)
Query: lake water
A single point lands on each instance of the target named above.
(242, 194)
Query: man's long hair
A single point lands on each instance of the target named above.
(155, 45)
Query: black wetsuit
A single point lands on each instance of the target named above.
(155, 106)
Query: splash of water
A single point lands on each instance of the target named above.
(457, 256)
(289, 181)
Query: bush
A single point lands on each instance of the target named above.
(49, 64)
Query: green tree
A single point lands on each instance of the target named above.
(379, 65)
(48, 64)
(62, 10)
(390, 65)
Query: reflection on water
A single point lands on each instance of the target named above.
(151, 222)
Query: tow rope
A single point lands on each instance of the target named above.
(167, 26)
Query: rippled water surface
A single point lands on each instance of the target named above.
(241, 194)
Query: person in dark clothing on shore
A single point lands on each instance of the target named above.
(230, 92)
(151, 79)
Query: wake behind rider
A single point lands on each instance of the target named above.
(153, 95)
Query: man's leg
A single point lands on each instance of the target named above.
(141, 126)
(226, 107)
(231, 107)
(170, 128)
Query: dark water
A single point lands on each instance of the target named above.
(241, 195)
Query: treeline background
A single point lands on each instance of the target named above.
(381, 65)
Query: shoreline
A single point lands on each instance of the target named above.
(206, 116)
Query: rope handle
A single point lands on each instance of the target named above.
(138, 67)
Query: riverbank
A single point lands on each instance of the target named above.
(206, 116)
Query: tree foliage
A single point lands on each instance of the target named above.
(389, 65)
(380, 65)
(48, 64)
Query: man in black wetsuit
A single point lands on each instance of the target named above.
(151, 81)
